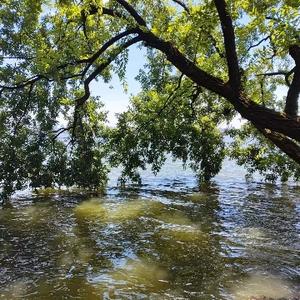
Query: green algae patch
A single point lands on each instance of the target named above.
(91, 210)
(174, 217)
(128, 211)
(260, 286)
(76, 253)
(183, 234)
(36, 213)
(142, 274)
(180, 244)
(197, 197)
(15, 290)
(32, 216)
(50, 192)
(187, 234)
(66, 288)
(47, 192)
(135, 209)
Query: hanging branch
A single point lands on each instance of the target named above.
(25, 111)
(23, 84)
(80, 101)
(109, 43)
(166, 103)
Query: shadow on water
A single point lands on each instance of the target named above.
(230, 241)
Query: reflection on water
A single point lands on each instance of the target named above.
(234, 240)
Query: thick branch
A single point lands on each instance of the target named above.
(284, 143)
(230, 47)
(186, 66)
(132, 12)
(291, 106)
(182, 4)
(112, 13)
(60, 131)
(109, 43)
(94, 9)
(101, 67)
(262, 117)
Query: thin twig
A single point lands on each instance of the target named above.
(286, 75)
(258, 43)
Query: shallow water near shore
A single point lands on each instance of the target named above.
(165, 240)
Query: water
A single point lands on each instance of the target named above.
(166, 240)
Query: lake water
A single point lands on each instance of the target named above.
(165, 240)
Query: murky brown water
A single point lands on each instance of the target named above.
(233, 241)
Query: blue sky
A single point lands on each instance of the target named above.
(112, 94)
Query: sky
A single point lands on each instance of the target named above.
(116, 100)
(112, 94)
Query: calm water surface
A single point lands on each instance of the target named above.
(165, 240)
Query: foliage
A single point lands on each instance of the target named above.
(207, 61)
(87, 160)
(160, 122)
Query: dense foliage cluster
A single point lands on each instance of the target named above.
(207, 62)
(30, 156)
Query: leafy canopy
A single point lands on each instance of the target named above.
(53, 133)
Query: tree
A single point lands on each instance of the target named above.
(212, 58)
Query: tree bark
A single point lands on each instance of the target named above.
(291, 106)
(284, 143)
(230, 45)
